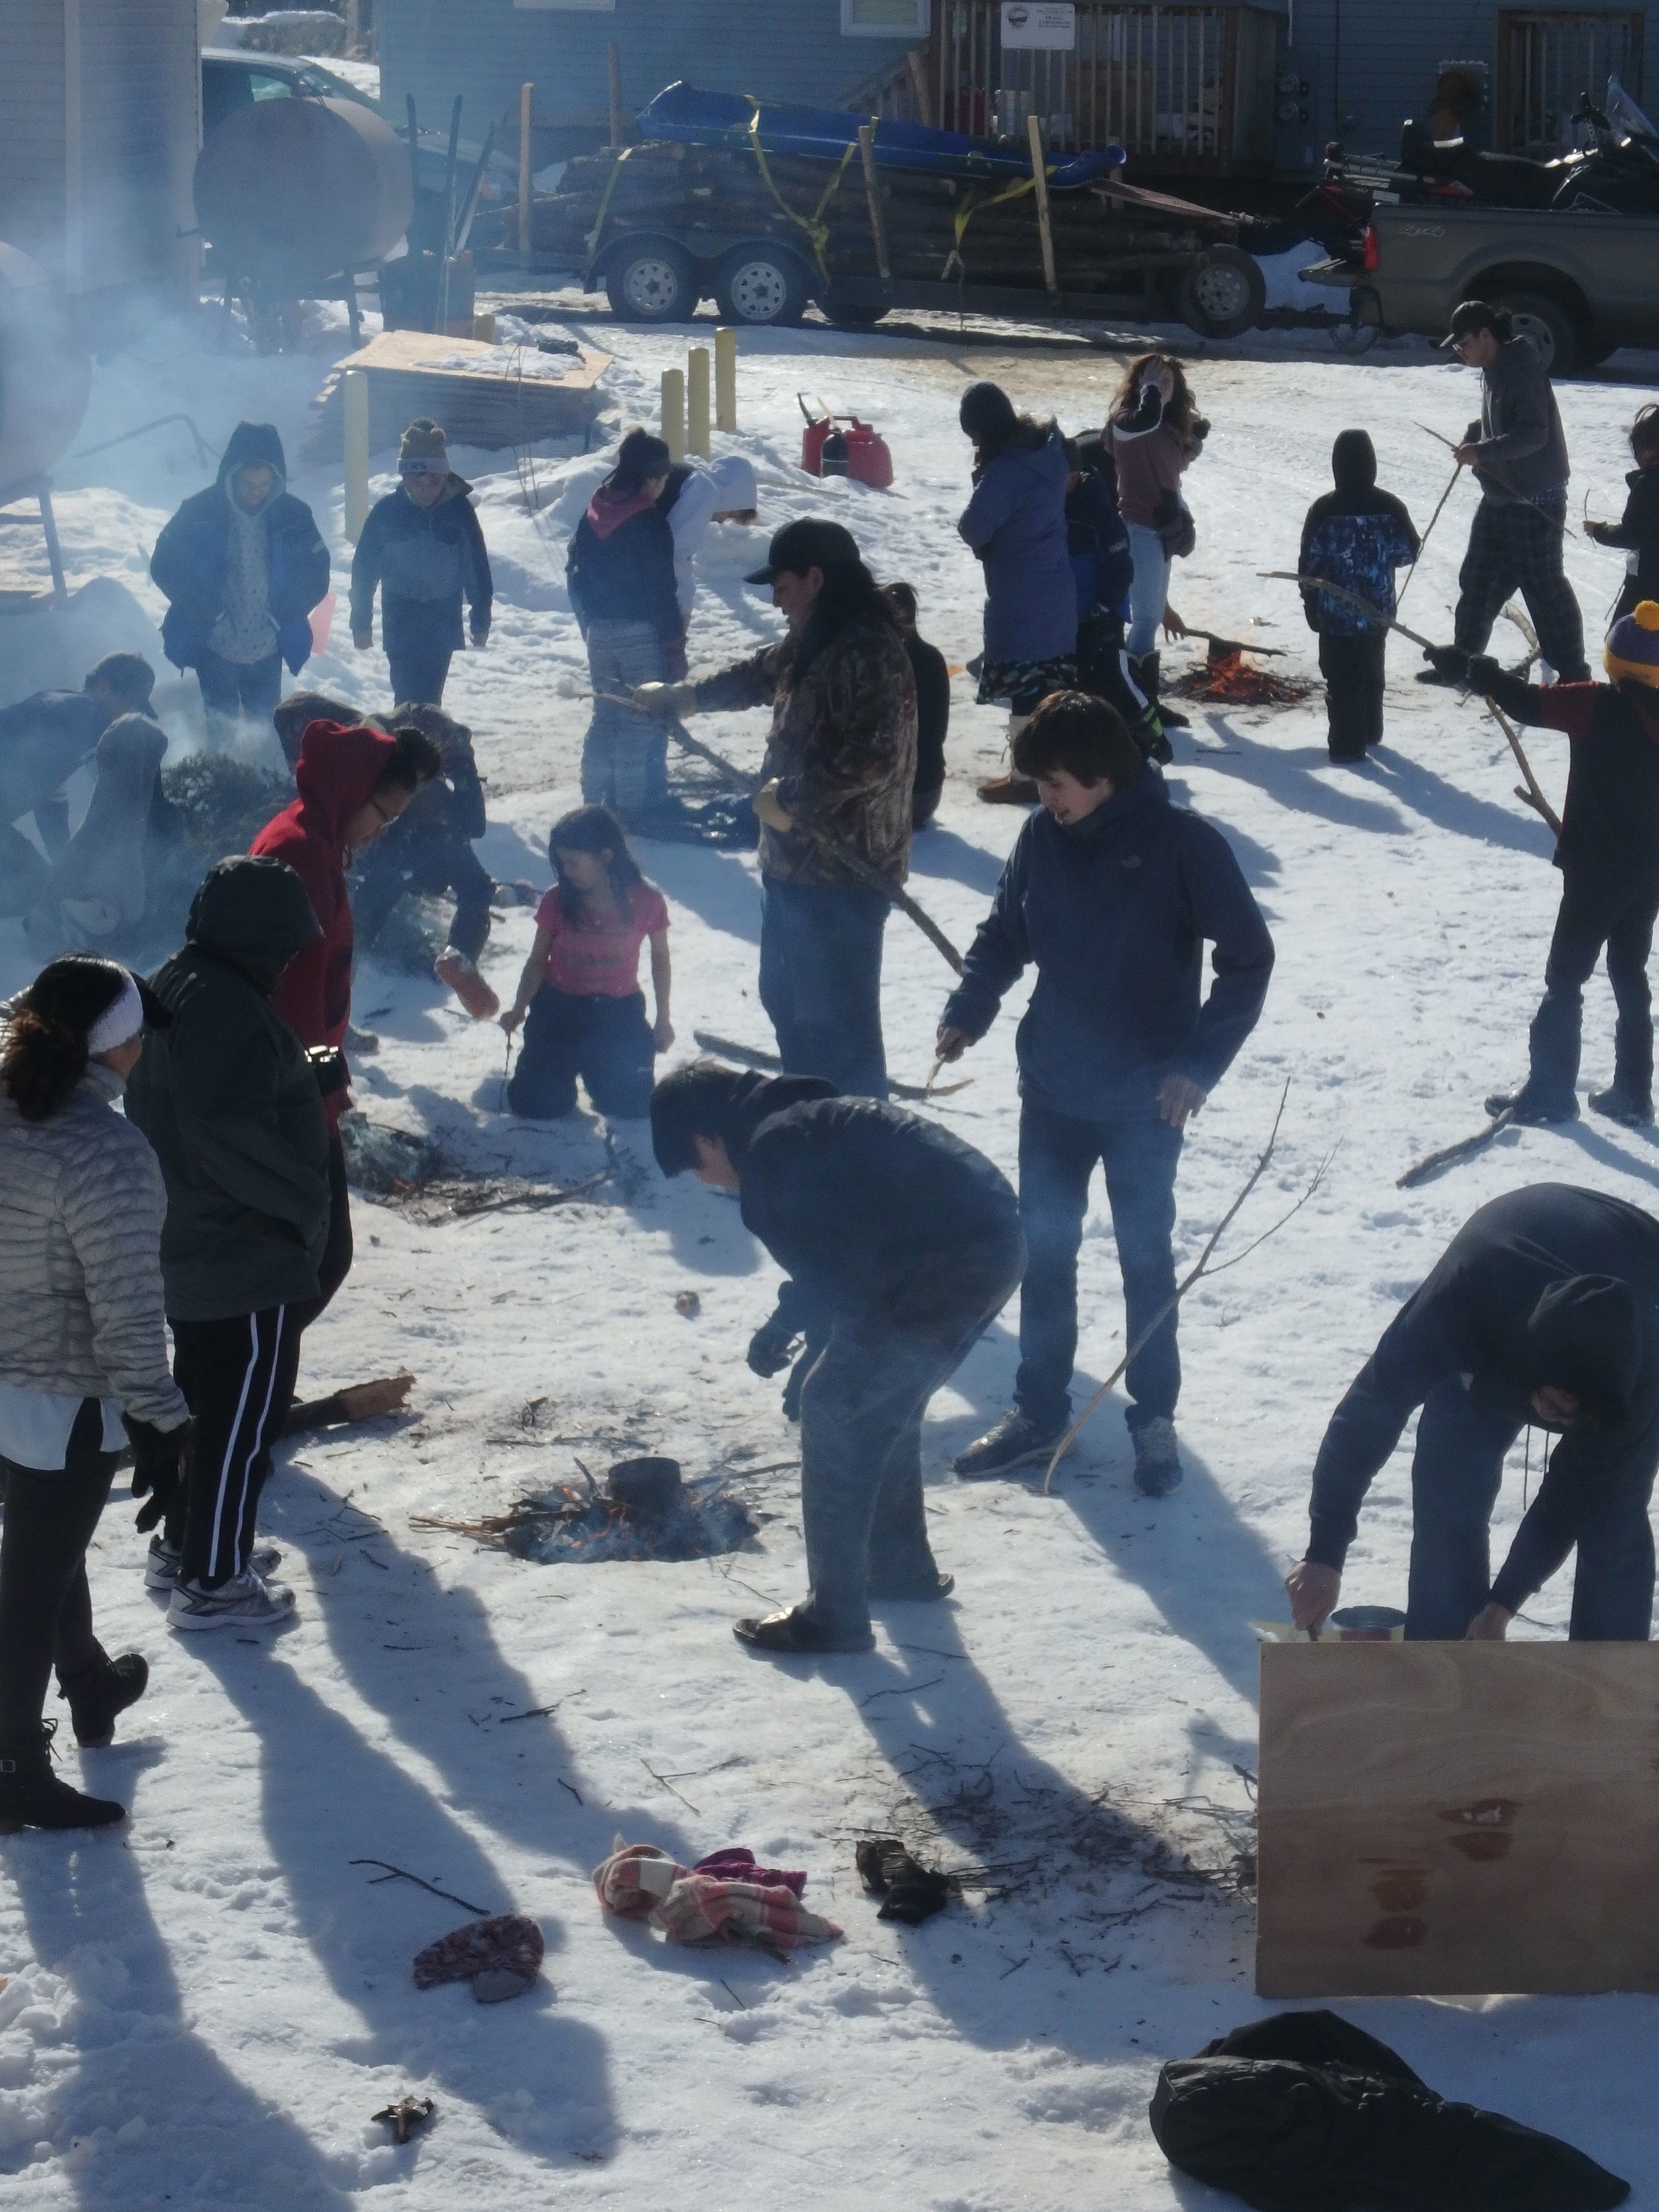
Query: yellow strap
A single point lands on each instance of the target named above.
(605, 201)
(815, 227)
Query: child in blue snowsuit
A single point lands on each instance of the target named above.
(1357, 536)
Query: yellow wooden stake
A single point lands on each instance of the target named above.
(725, 380)
(673, 412)
(526, 93)
(696, 402)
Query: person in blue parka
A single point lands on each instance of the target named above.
(242, 564)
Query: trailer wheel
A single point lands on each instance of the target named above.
(1224, 296)
(761, 285)
(651, 281)
(1549, 327)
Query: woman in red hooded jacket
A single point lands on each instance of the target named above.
(354, 781)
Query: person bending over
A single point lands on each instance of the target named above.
(909, 1241)
(44, 739)
(1543, 1308)
(1111, 891)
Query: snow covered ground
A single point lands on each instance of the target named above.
(205, 2007)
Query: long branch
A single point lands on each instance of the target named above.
(1164, 1311)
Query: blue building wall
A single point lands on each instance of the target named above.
(486, 49)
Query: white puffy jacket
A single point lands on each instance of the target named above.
(82, 1203)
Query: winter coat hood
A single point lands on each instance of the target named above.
(608, 509)
(339, 765)
(1585, 1335)
(1353, 462)
(256, 445)
(733, 478)
(756, 1098)
(255, 915)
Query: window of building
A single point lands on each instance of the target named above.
(885, 19)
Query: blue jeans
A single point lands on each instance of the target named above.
(605, 1041)
(1150, 590)
(820, 980)
(624, 754)
(418, 635)
(1058, 1153)
(1456, 1473)
(865, 1395)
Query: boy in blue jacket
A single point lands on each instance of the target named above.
(422, 549)
(1112, 891)
(1355, 536)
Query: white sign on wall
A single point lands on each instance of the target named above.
(1047, 25)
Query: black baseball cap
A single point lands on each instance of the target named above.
(1471, 315)
(808, 544)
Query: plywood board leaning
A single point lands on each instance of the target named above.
(1446, 1818)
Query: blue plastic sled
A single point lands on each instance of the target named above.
(725, 118)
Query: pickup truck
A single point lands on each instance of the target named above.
(1578, 284)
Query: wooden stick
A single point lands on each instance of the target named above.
(1045, 229)
(919, 79)
(1181, 1289)
(1532, 794)
(873, 195)
(1429, 532)
(1447, 1153)
(613, 61)
(401, 1873)
(769, 1063)
(855, 865)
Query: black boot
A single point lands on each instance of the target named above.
(1145, 673)
(99, 1692)
(31, 1796)
(1534, 1104)
(1623, 1101)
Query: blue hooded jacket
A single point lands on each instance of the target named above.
(1016, 523)
(192, 555)
(1115, 910)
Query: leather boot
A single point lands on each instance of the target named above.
(31, 1796)
(99, 1694)
(1010, 789)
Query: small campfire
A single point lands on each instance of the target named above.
(1226, 678)
(412, 1172)
(643, 1510)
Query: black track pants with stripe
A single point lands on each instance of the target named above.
(238, 1380)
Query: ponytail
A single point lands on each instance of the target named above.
(45, 1052)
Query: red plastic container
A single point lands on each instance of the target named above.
(859, 451)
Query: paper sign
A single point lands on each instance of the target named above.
(1048, 25)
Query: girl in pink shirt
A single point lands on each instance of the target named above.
(579, 997)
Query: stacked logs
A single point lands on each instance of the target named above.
(707, 196)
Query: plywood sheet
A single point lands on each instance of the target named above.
(476, 400)
(1458, 1818)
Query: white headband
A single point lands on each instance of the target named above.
(118, 1024)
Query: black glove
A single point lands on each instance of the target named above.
(327, 1063)
(772, 1347)
(158, 1468)
(1450, 661)
(1484, 674)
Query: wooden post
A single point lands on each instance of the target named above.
(1039, 175)
(726, 379)
(696, 402)
(872, 193)
(919, 79)
(613, 55)
(526, 93)
(673, 412)
(357, 453)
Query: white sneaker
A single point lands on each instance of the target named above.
(163, 1565)
(245, 1602)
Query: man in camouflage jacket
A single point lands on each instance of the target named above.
(842, 760)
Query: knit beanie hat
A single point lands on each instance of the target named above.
(422, 451)
(1632, 645)
(986, 412)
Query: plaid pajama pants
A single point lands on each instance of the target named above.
(1518, 548)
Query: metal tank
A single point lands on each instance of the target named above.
(45, 371)
(290, 192)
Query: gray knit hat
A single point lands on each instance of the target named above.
(422, 451)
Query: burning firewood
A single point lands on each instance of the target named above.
(1225, 678)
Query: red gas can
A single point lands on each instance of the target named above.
(858, 451)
